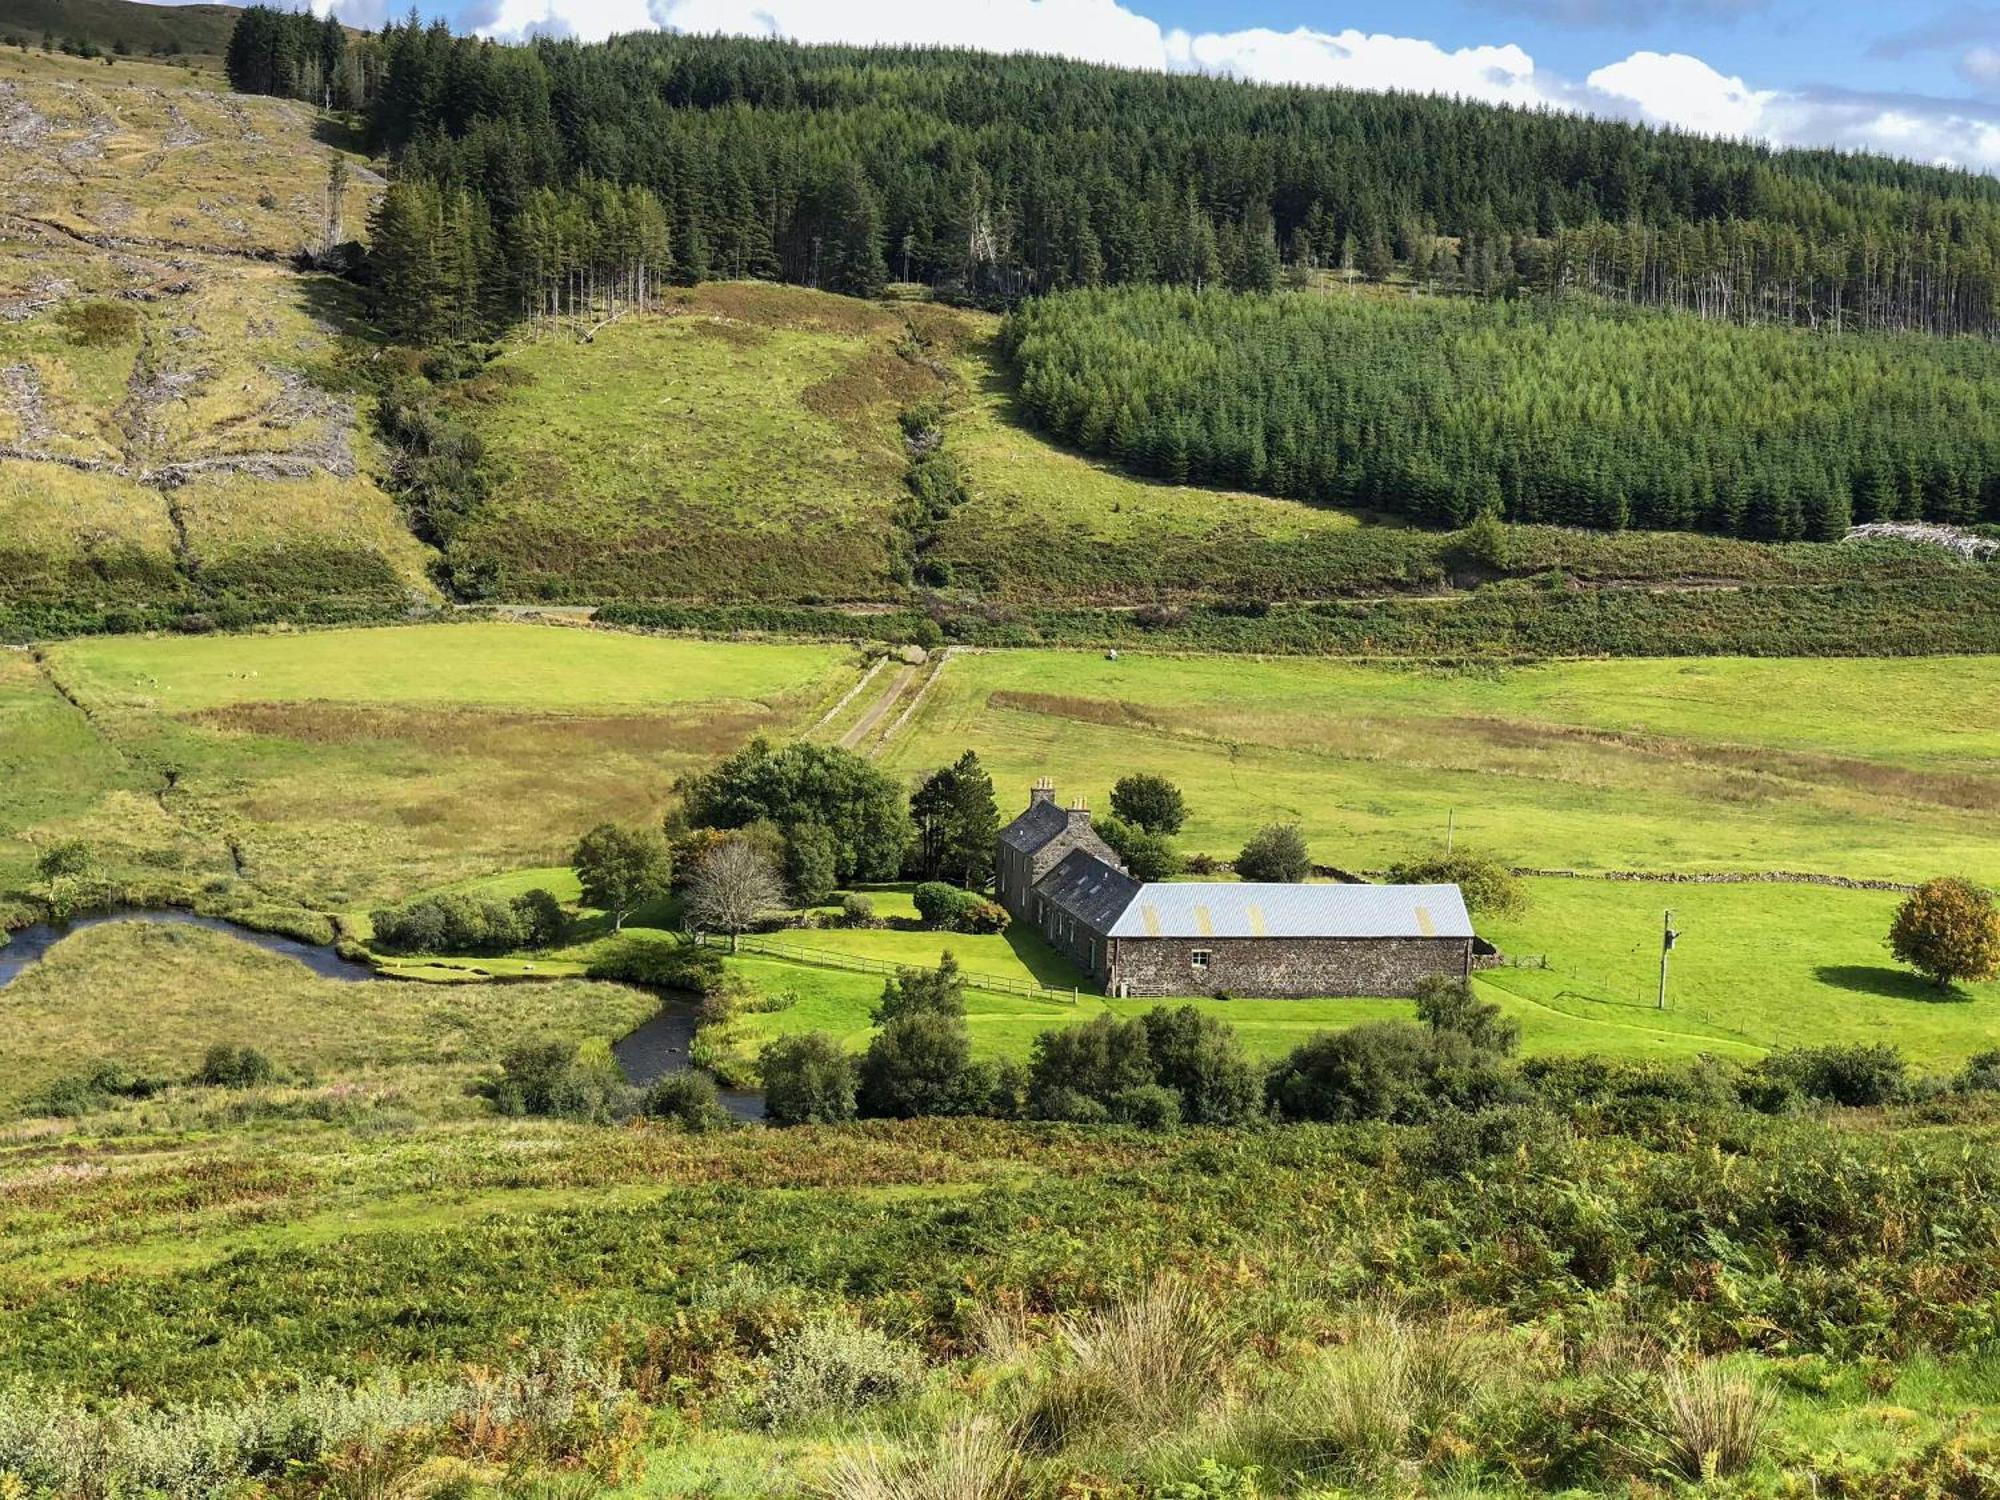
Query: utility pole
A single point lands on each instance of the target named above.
(1450, 819)
(1667, 939)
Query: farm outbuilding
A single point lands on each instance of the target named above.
(1144, 938)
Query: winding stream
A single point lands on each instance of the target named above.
(31, 944)
(657, 1048)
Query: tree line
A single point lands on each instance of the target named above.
(1445, 410)
(993, 178)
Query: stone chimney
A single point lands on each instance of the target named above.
(1042, 791)
(1079, 813)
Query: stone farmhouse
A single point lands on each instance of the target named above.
(1138, 938)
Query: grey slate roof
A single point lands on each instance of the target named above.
(1086, 888)
(1041, 822)
(1239, 910)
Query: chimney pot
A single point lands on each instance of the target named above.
(1044, 790)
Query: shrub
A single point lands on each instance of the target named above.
(1981, 1074)
(87, 1092)
(946, 908)
(460, 923)
(1855, 1075)
(1275, 853)
(1949, 931)
(227, 1067)
(541, 919)
(93, 325)
(1149, 802)
(829, 1367)
(857, 910)
(1201, 1059)
(1447, 1004)
(971, 1458)
(919, 990)
(1070, 1106)
(1148, 1106)
(687, 967)
(687, 1099)
(547, 1078)
(808, 1080)
(917, 1066)
(1490, 888)
(1099, 1059)
(1384, 1070)
(66, 859)
(1147, 856)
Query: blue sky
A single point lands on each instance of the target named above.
(1919, 78)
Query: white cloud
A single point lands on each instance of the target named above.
(1660, 88)
(1675, 89)
(1357, 60)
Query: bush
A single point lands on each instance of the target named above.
(1201, 1059)
(460, 923)
(1151, 803)
(687, 967)
(1070, 1106)
(1855, 1075)
(1981, 1074)
(830, 1368)
(1099, 1060)
(547, 1078)
(857, 910)
(688, 1100)
(1147, 856)
(946, 908)
(227, 1067)
(1385, 1070)
(1447, 1004)
(917, 1066)
(1490, 888)
(1148, 1106)
(87, 1092)
(808, 1080)
(1276, 853)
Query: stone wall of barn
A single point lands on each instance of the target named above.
(1285, 968)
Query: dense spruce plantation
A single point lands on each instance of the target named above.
(1576, 415)
(997, 177)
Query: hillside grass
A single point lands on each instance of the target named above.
(742, 444)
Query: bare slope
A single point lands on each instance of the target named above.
(163, 439)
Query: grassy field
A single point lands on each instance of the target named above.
(333, 772)
(158, 997)
(1679, 765)
(343, 769)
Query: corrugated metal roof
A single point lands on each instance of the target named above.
(1035, 827)
(1226, 909)
(1088, 889)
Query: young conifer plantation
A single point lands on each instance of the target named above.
(1574, 413)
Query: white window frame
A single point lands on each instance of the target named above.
(1201, 958)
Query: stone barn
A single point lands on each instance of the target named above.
(1137, 938)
